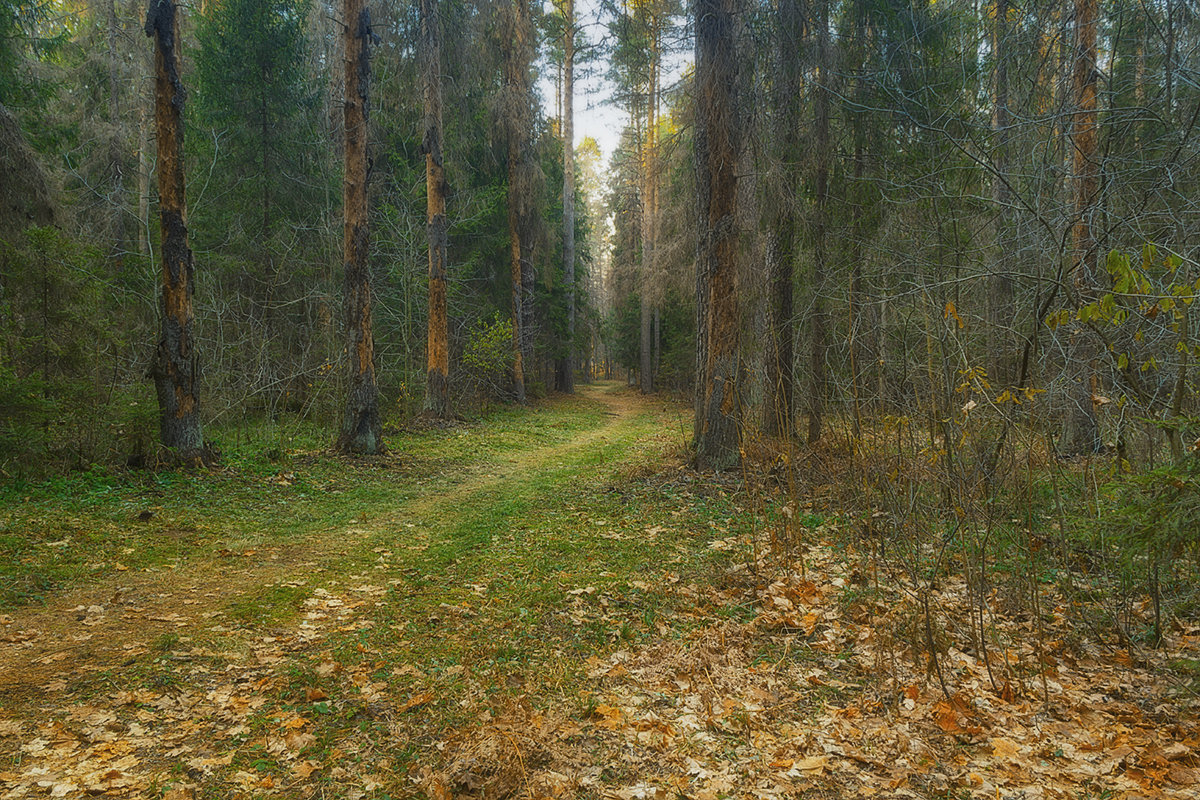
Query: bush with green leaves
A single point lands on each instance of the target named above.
(488, 359)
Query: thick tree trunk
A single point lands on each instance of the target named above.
(818, 337)
(362, 430)
(1081, 431)
(437, 387)
(175, 370)
(718, 408)
(779, 405)
(566, 370)
(516, 116)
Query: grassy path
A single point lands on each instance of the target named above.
(382, 605)
(544, 605)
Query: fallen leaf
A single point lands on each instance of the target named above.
(416, 701)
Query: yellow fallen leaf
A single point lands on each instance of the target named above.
(610, 716)
(813, 765)
(1004, 748)
(416, 701)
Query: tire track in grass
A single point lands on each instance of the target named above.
(94, 628)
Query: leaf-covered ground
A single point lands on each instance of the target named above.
(548, 604)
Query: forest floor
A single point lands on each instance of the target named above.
(545, 604)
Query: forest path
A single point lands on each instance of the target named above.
(476, 573)
(551, 605)
(105, 625)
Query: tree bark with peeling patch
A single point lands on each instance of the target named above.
(362, 430)
(175, 369)
(437, 387)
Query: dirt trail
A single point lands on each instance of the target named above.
(101, 625)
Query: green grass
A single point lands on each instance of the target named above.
(74, 529)
(507, 554)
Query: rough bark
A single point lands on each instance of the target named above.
(362, 430)
(1081, 431)
(779, 401)
(566, 380)
(718, 407)
(175, 370)
(818, 337)
(437, 388)
(516, 117)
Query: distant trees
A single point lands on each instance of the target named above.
(256, 98)
(840, 210)
(23, 38)
(641, 33)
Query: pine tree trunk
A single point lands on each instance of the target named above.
(362, 430)
(718, 407)
(779, 401)
(566, 381)
(437, 387)
(818, 338)
(645, 279)
(516, 111)
(1081, 432)
(175, 370)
